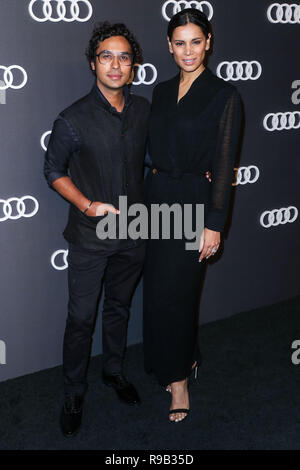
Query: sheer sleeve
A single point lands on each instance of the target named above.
(223, 163)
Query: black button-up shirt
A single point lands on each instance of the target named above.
(103, 152)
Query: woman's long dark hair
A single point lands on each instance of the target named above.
(189, 15)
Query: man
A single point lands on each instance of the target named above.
(100, 139)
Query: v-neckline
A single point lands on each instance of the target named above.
(178, 84)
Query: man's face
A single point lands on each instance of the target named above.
(113, 75)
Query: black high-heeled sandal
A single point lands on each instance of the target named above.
(194, 377)
(179, 410)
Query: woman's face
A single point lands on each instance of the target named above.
(188, 46)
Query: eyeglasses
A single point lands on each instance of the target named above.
(106, 57)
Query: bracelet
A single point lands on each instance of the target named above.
(88, 207)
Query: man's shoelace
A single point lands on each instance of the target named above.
(72, 405)
(121, 382)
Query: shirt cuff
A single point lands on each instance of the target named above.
(51, 177)
(215, 220)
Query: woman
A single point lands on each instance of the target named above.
(194, 129)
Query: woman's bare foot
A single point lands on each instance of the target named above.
(169, 388)
(180, 399)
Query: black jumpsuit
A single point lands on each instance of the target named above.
(199, 133)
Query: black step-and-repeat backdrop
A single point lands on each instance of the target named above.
(43, 69)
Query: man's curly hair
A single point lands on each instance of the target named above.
(105, 30)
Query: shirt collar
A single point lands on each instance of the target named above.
(106, 104)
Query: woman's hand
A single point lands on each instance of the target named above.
(210, 240)
(101, 208)
(209, 243)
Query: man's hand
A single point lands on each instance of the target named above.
(210, 240)
(101, 208)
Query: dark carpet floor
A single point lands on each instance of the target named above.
(247, 395)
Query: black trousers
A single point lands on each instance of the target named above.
(119, 270)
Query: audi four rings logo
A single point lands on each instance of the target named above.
(142, 75)
(282, 121)
(279, 216)
(9, 78)
(2, 93)
(243, 70)
(42, 141)
(60, 10)
(284, 13)
(246, 174)
(172, 7)
(60, 256)
(22, 209)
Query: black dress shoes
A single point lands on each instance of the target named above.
(71, 414)
(125, 391)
